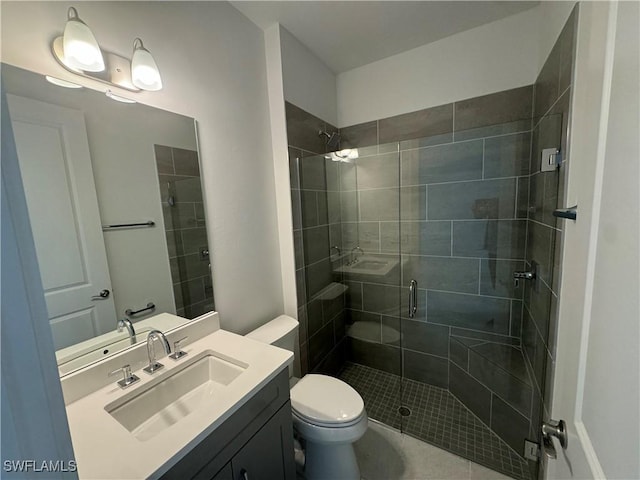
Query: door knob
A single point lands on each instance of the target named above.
(551, 429)
(102, 295)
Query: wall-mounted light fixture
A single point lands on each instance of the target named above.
(78, 52)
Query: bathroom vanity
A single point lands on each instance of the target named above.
(222, 411)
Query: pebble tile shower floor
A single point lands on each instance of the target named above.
(437, 417)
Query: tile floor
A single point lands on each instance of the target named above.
(385, 454)
(437, 417)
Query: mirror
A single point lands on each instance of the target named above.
(116, 207)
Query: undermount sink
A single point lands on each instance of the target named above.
(177, 394)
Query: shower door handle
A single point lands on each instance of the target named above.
(413, 298)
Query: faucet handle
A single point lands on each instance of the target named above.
(128, 378)
(177, 352)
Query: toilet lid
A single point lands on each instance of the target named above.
(326, 400)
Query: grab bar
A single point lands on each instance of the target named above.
(413, 298)
(150, 223)
(130, 313)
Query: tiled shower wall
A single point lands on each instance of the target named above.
(185, 227)
(462, 233)
(320, 307)
(551, 126)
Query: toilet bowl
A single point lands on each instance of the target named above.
(328, 415)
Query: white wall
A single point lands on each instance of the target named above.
(308, 83)
(501, 55)
(213, 67)
(611, 409)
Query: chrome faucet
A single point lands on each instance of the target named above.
(354, 254)
(153, 365)
(126, 323)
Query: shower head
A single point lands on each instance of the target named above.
(333, 139)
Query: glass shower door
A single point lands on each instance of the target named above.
(463, 230)
(371, 271)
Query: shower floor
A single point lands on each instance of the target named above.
(437, 417)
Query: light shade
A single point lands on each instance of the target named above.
(61, 83)
(81, 50)
(118, 98)
(144, 71)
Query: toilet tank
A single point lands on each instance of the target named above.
(280, 332)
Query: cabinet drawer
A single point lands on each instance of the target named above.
(211, 455)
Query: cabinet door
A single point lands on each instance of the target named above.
(225, 474)
(269, 453)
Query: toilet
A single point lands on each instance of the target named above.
(328, 415)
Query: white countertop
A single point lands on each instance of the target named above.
(104, 449)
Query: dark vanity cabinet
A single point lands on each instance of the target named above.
(255, 443)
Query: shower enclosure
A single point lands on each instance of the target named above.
(426, 263)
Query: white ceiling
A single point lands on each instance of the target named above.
(346, 35)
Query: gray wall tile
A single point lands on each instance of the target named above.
(442, 273)
(353, 296)
(194, 239)
(493, 130)
(423, 123)
(379, 171)
(164, 159)
(360, 135)
(539, 249)
(316, 244)
(507, 156)
(187, 189)
(312, 173)
(522, 206)
(381, 299)
(379, 205)
(512, 427)
(517, 310)
(567, 42)
(375, 355)
(496, 278)
(314, 316)
(469, 311)
(303, 128)
(516, 393)
(349, 206)
(296, 209)
(458, 352)
(469, 200)
(420, 238)
(426, 368)
(444, 163)
(474, 395)
(425, 338)
(309, 201)
(363, 234)
(490, 238)
(547, 85)
(502, 107)
(320, 345)
(413, 203)
(186, 162)
(318, 276)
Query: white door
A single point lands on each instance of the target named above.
(55, 163)
(597, 375)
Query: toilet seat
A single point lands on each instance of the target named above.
(326, 402)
